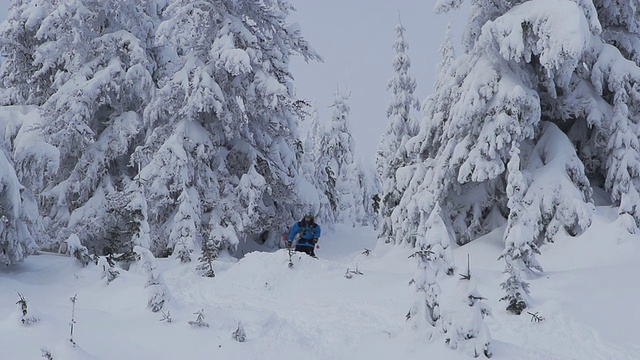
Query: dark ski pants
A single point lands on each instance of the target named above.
(306, 249)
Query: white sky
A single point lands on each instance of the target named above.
(355, 38)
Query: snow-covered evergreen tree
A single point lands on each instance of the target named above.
(336, 173)
(402, 126)
(425, 312)
(225, 117)
(210, 252)
(20, 41)
(316, 175)
(20, 221)
(159, 294)
(438, 241)
(368, 185)
(464, 324)
(183, 235)
(527, 81)
(175, 94)
(520, 248)
(16, 243)
(92, 74)
(138, 210)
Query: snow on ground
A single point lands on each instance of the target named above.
(588, 297)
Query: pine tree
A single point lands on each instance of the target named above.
(402, 126)
(520, 248)
(130, 89)
(226, 99)
(20, 221)
(425, 311)
(438, 239)
(324, 206)
(91, 74)
(16, 242)
(512, 89)
(367, 187)
(336, 172)
(159, 294)
(464, 326)
(138, 210)
(210, 252)
(18, 49)
(183, 236)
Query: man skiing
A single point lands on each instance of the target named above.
(308, 232)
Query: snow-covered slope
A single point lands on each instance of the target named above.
(588, 298)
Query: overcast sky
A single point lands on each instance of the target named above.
(355, 37)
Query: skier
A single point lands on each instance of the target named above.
(308, 232)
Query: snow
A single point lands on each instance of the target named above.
(311, 311)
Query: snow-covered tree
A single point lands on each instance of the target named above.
(91, 72)
(19, 42)
(210, 252)
(20, 221)
(322, 181)
(16, 242)
(183, 235)
(225, 116)
(527, 81)
(368, 185)
(402, 126)
(520, 248)
(425, 312)
(158, 291)
(464, 324)
(178, 94)
(138, 210)
(336, 173)
(73, 246)
(438, 241)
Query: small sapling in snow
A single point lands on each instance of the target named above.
(166, 316)
(46, 354)
(26, 319)
(239, 335)
(535, 317)
(350, 273)
(199, 322)
(73, 318)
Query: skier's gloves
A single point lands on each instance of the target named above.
(289, 243)
(314, 241)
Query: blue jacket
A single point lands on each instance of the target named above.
(307, 232)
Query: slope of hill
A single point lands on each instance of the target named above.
(587, 297)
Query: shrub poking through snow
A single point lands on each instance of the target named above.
(77, 250)
(166, 316)
(535, 317)
(350, 272)
(239, 335)
(109, 272)
(46, 354)
(26, 319)
(199, 322)
(73, 318)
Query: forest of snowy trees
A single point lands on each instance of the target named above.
(530, 128)
(173, 126)
(166, 125)
(156, 128)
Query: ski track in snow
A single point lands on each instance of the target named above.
(311, 311)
